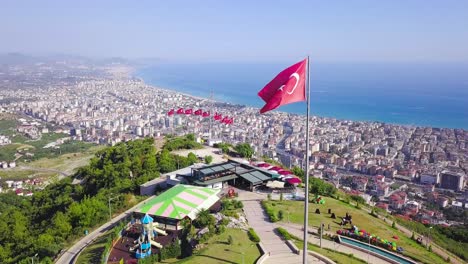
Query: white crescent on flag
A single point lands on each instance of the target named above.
(295, 75)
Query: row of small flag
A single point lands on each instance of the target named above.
(218, 117)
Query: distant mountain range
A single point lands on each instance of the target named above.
(22, 59)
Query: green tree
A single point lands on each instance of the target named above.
(298, 172)
(208, 159)
(204, 219)
(192, 158)
(166, 161)
(245, 150)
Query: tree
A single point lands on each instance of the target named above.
(204, 219)
(208, 159)
(358, 199)
(298, 172)
(192, 158)
(244, 150)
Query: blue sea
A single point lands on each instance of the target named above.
(433, 95)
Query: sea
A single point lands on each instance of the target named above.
(417, 94)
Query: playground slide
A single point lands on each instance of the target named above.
(156, 244)
(159, 231)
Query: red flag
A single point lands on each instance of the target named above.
(180, 111)
(171, 112)
(188, 111)
(225, 120)
(198, 112)
(217, 116)
(206, 114)
(287, 87)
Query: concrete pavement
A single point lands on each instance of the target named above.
(279, 252)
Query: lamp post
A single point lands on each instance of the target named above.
(32, 259)
(428, 237)
(110, 211)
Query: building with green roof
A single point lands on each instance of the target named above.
(178, 203)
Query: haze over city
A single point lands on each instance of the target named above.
(240, 30)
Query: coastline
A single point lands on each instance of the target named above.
(135, 73)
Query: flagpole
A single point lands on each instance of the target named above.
(306, 189)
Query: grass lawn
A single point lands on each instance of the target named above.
(67, 163)
(217, 250)
(7, 127)
(92, 253)
(361, 218)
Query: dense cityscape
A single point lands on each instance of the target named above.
(374, 159)
(414, 173)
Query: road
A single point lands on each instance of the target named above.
(70, 254)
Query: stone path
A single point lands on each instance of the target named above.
(278, 250)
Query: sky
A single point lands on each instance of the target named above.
(240, 30)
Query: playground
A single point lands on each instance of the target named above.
(141, 239)
(294, 212)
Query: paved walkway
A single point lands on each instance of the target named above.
(278, 250)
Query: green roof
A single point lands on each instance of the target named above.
(181, 201)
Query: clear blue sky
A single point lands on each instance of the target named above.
(242, 30)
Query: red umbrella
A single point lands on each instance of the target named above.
(293, 180)
(263, 165)
(276, 168)
(285, 172)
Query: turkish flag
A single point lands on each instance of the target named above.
(287, 87)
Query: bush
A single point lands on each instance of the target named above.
(284, 233)
(171, 251)
(230, 240)
(208, 159)
(220, 229)
(270, 212)
(238, 204)
(281, 197)
(224, 221)
(253, 236)
(393, 225)
(280, 215)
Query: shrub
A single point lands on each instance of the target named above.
(269, 197)
(270, 212)
(230, 240)
(238, 204)
(280, 215)
(253, 236)
(224, 221)
(284, 233)
(220, 229)
(171, 251)
(393, 225)
(281, 196)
